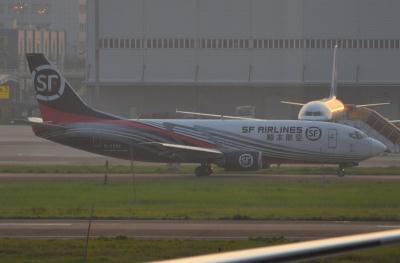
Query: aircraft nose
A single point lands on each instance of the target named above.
(377, 147)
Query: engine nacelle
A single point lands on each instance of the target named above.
(243, 161)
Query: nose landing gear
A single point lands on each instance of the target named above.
(204, 169)
(340, 170)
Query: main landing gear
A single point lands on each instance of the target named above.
(203, 170)
(340, 170)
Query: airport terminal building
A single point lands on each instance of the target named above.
(216, 55)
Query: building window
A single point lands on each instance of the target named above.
(82, 9)
(285, 43)
(236, 43)
(273, 44)
(376, 43)
(365, 43)
(138, 43)
(391, 44)
(219, 43)
(308, 43)
(255, 43)
(229, 43)
(213, 43)
(318, 43)
(354, 43)
(387, 43)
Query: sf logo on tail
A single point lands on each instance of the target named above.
(49, 85)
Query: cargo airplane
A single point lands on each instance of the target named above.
(328, 109)
(240, 144)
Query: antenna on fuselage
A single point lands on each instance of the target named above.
(334, 75)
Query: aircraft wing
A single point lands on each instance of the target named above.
(219, 116)
(292, 103)
(373, 104)
(299, 251)
(184, 152)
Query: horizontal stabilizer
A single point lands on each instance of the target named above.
(293, 103)
(39, 124)
(372, 105)
(219, 116)
(301, 250)
(185, 152)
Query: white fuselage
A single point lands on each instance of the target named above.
(289, 140)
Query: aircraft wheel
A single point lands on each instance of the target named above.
(340, 172)
(203, 170)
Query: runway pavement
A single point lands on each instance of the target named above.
(186, 229)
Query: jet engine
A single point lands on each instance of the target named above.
(243, 161)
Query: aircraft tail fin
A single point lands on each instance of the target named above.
(334, 75)
(58, 102)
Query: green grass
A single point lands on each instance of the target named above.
(115, 249)
(109, 250)
(203, 198)
(188, 169)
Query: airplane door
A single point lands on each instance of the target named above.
(332, 138)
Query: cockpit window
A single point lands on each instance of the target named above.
(357, 135)
(313, 113)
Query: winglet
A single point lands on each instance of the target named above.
(334, 75)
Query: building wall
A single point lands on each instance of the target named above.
(240, 45)
(8, 50)
(60, 15)
(51, 43)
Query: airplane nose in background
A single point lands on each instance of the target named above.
(377, 147)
